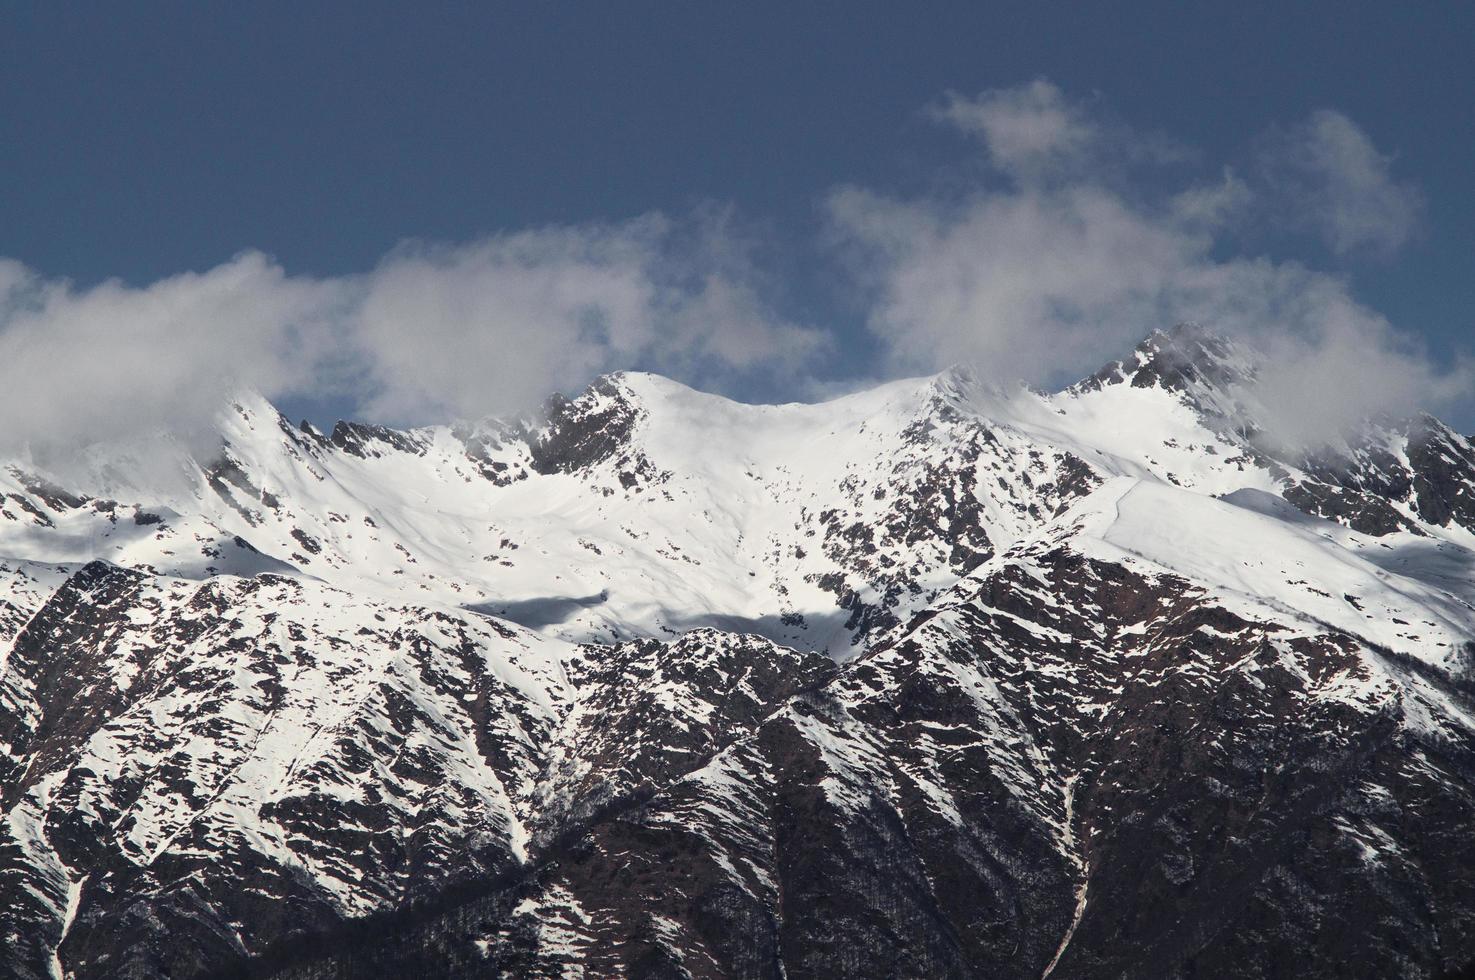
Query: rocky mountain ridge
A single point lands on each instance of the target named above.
(936, 679)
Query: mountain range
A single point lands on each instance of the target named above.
(942, 678)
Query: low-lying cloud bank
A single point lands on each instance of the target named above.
(432, 333)
(1075, 240)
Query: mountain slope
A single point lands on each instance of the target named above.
(937, 679)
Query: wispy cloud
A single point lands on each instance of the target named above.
(1325, 175)
(1026, 131)
(432, 332)
(1052, 264)
(1044, 279)
(88, 365)
(1035, 134)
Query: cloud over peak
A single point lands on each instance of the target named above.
(1045, 279)
(432, 332)
(1046, 267)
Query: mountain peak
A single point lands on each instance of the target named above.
(1188, 358)
(589, 428)
(497, 685)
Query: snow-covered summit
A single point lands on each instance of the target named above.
(642, 507)
(1083, 683)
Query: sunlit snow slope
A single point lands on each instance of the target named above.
(935, 679)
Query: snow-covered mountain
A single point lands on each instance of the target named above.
(935, 679)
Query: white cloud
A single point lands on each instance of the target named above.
(1046, 280)
(431, 333)
(1033, 134)
(1064, 267)
(1026, 130)
(85, 365)
(1345, 364)
(1213, 206)
(497, 325)
(1023, 284)
(1328, 177)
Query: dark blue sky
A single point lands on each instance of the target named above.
(140, 141)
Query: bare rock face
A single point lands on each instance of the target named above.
(579, 434)
(941, 680)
